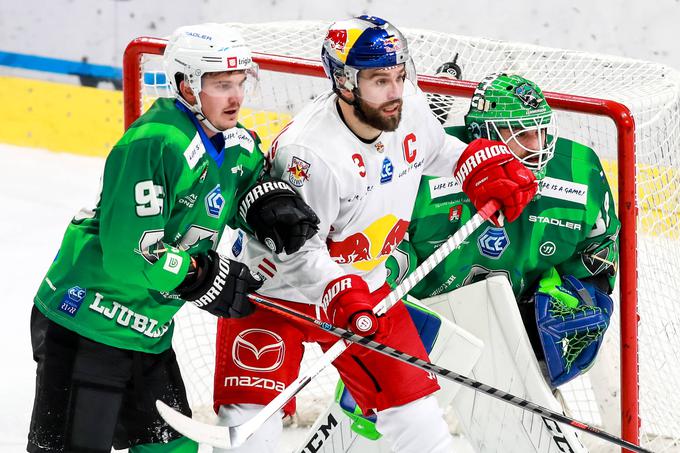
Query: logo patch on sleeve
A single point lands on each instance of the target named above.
(173, 263)
(72, 300)
(298, 172)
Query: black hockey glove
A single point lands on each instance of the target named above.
(220, 286)
(278, 215)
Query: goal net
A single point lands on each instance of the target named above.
(628, 111)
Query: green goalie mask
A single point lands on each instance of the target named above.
(513, 110)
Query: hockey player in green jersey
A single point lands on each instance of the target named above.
(569, 229)
(560, 255)
(102, 320)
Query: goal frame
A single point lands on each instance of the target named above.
(627, 197)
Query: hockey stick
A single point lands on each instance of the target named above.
(448, 374)
(231, 437)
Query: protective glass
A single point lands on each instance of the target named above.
(234, 85)
(380, 86)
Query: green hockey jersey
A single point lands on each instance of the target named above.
(167, 192)
(570, 225)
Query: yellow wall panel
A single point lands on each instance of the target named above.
(60, 117)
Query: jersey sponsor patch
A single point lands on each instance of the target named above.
(298, 171)
(493, 242)
(548, 248)
(238, 244)
(556, 222)
(173, 263)
(125, 317)
(72, 300)
(455, 212)
(194, 151)
(387, 171)
(440, 187)
(238, 137)
(214, 202)
(564, 190)
(258, 350)
(370, 247)
(379, 147)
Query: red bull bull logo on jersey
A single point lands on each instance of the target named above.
(298, 172)
(367, 249)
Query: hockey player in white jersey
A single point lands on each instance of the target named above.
(356, 155)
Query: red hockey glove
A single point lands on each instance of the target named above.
(487, 170)
(349, 304)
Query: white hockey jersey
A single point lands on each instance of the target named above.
(362, 192)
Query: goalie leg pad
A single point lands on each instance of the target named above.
(489, 311)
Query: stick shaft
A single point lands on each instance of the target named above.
(252, 425)
(448, 374)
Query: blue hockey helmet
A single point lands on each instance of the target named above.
(364, 42)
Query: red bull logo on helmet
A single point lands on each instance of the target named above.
(392, 44)
(338, 39)
(367, 249)
(342, 39)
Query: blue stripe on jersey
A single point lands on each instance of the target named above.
(217, 156)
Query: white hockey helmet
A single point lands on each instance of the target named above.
(195, 50)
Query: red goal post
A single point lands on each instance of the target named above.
(627, 210)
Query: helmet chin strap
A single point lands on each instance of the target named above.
(203, 119)
(198, 111)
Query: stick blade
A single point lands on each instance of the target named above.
(204, 433)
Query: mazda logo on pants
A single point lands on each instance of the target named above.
(258, 350)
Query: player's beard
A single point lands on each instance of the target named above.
(374, 117)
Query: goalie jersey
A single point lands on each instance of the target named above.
(570, 225)
(362, 192)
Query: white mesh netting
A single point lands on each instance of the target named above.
(650, 91)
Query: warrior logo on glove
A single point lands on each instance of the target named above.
(279, 217)
(488, 170)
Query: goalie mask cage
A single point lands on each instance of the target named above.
(628, 111)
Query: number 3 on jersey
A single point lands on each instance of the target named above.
(149, 198)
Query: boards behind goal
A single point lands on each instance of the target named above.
(628, 111)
